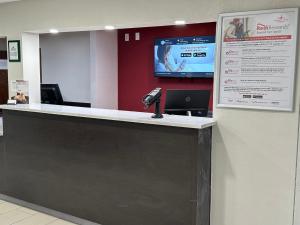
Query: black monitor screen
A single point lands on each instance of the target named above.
(50, 94)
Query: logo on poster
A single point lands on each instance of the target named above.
(265, 27)
(231, 52)
(231, 71)
(281, 19)
(230, 81)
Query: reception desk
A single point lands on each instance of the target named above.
(107, 166)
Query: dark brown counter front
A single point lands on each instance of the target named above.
(109, 172)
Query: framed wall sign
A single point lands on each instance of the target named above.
(14, 51)
(256, 59)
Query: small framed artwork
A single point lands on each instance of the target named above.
(14, 51)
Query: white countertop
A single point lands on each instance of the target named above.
(115, 115)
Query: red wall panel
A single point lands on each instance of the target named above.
(136, 64)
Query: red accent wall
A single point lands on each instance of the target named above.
(136, 64)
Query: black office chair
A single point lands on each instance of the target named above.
(187, 102)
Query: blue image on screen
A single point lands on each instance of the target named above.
(185, 57)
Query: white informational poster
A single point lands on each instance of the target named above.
(256, 59)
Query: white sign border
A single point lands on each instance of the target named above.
(219, 51)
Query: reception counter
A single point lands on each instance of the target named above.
(107, 166)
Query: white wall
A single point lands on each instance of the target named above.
(31, 65)
(104, 69)
(297, 197)
(66, 61)
(254, 152)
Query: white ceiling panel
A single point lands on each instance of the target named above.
(3, 1)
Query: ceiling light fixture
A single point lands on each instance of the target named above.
(109, 27)
(53, 31)
(180, 22)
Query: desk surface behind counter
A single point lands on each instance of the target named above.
(115, 115)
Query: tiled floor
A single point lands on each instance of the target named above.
(11, 214)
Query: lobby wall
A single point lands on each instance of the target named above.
(66, 62)
(136, 64)
(254, 152)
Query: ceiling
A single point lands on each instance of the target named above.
(3, 1)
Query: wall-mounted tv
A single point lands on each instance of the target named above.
(185, 57)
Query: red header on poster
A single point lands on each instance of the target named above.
(259, 38)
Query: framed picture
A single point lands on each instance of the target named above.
(256, 59)
(20, 91)
(14, 51)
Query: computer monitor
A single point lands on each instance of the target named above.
(50, 94)
(183, 102)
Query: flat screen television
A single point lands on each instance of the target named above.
(185, 57)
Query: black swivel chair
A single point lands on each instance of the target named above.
(187, 102)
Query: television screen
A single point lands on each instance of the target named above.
(185, 57)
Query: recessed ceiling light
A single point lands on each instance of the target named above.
(53, 31)
(179, 22)
(109, 27)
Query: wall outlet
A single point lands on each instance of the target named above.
(127, 38)
(137, 36)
